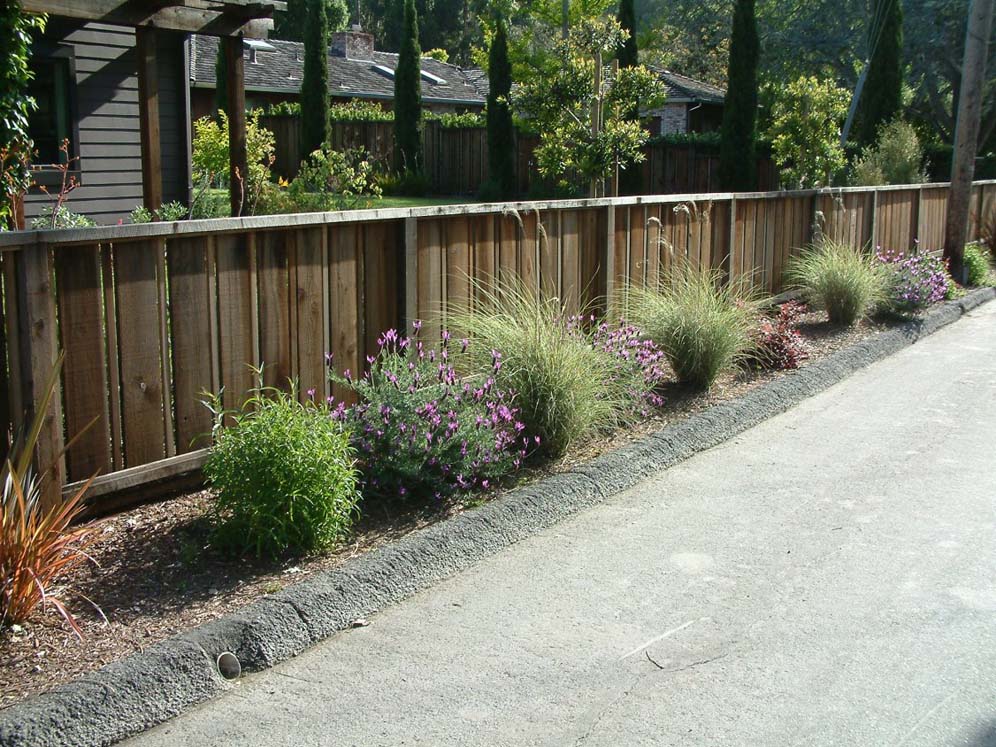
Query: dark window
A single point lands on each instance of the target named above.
(54, 89)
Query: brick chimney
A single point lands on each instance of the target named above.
(354, 44)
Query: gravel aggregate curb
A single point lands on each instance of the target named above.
(148, 688)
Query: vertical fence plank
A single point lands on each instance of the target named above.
(345, 287)
(234, 318)
(272, 275)
(459, 267)
(39, 334)
(570, 261)
(191, 337)
(309, 330)
(136, 285)
(81, 321)
(380, 276)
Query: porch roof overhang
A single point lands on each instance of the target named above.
(248, 18)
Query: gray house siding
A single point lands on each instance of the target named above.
(107, 120)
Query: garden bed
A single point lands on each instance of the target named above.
(154, 574)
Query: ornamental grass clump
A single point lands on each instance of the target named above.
(284, 474)
(913, 282)
(839, 278)
(566, 389)
(702, 325)
(422, 431)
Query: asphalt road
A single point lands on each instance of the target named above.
(826, 578)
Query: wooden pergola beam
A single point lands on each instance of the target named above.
(190, 16)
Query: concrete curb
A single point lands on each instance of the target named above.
(146, 689)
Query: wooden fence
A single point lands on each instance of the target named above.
(456, 159)
(150, 316)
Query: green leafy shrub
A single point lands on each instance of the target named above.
(839, 278)
(210, 154)
(977, 264)
(169, 211)
(703, 326)
(360, 111)
(897, 158)
(566, 388)
(421, 431)
(284, 474)
(333, 180)
(60, 217)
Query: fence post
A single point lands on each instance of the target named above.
(40, 350)
(610, 258)
(411, 270)
(874, 221)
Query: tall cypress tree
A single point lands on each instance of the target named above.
(631, 175)
(882, 97)
(501, 130)
(628, 55)
(738, 143)
(315, 81)
(220, 81)
(408, 97)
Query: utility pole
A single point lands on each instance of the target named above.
(973, 73)
(565, 23)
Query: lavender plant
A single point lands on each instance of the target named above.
(421, 431)
(913, 281)
(641, 365)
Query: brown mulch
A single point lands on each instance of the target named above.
(155, 575)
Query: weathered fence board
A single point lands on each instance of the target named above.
(152, 316)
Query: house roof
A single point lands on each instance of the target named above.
(279, 70)
(681, 89)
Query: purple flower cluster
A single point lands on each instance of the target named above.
(421, 430)
(639, 359)
(915, 280)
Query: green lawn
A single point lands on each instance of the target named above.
(403, 202)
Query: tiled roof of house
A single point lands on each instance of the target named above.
(681, 88)
(280, 68)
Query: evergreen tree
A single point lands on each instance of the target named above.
(220, 81)
(291, 24)
(630, 177)
(408, 98)
(881, 99)
(738, 138)
(315, 81)
(628, 54)
(501, 130)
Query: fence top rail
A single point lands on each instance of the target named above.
(15, 240)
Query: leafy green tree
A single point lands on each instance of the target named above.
(882, 98)
(584, 131)
(292, 24)
(501, 130)
(315, 80)
(897, 158)
(934, 48)
(738, 144)
(16, 105)
(805, 131)
(408, 98)
(630, 180)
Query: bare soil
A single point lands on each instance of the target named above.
(155, 574)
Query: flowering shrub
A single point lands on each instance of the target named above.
(777, 343)
(420, 431)
(913, 281)
(641, 364)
